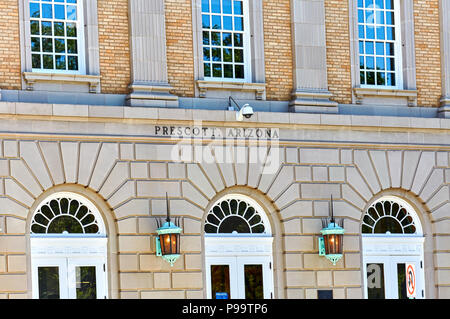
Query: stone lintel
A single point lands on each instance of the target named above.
(312, 102)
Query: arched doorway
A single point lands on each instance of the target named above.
(68, 249)
(392, 241)
(238, 250)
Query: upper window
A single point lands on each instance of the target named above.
(379, 43)
(57, 36)
(225, 33)
(390, 216)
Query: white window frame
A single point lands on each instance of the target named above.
(80, 40)
(397, 47)
(246, 48)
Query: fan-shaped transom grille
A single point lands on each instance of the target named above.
(388, 216)
(64, 215)
(234, 216)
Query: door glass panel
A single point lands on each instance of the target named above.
(253, 282)
(401, 281)
(375, 281)
(220, 281)
(86, 283)
(48, 278)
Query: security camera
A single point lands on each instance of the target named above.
(246, 111)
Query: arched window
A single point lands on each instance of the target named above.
(66, 213)
(68, 249)
(232, 215)
(238, 249)
(392, 248)
(389, 216)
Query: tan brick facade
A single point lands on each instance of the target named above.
(9, 46)
(428, 60)
(179, 44)
(277, 49)
(114, 46)
(338, 50)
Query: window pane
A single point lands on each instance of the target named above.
(227, 23)
(71, 12)
(238, 7)
(226, 5)
(380, 64)
(205, 21)
(379, 4)
(239, 73)
(215, 6)
(238, 40)
(390, 34)
(228, 71)
(226, 39)
(369, 47)
(379, 48)
(220, 280)
(73, 63)
(205, 5)
(362, 80)
(380, 33)
(375, 281)
(71, 30)
(401, 281)
(370, 32)
(35, 12)
(390, 65)
(227, 55)
(46, 28)
(86, 285)
(206, 54)
(370, 78)
(47, 44)
(36, 64)
(239, 56)
(60, 12)
(60, 61)
(205, 38)
(254, 286)
(216, 22)
(47, 12)
(72, 46)
(390, 18)
(48, 281)
(238, 24)
(389, 4)
(215, 38)
(58, 28)
(207, 69)
(216, 55)
(217, 70)
(60, 46)
(35, 44)
(381, 78)
(369, 3)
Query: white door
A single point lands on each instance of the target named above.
(69, 278)
(391, 277)
(239, 277)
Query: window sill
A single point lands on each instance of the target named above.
(385, 93)
(258, 88)
(32, 77)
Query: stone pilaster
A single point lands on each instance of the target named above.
(310, 60)
(444, 9)
(149, 81)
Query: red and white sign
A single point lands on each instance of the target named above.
(411, 281)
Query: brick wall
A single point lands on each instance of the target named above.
(114, 46)
(338, 50)
(428, 61)
(278, 49)
(179, 46)
(9, 45)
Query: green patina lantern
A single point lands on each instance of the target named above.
(168, 239)
(331, 241)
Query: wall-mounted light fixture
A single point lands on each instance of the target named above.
(168, 239)
(245, 111)
(331, 241)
